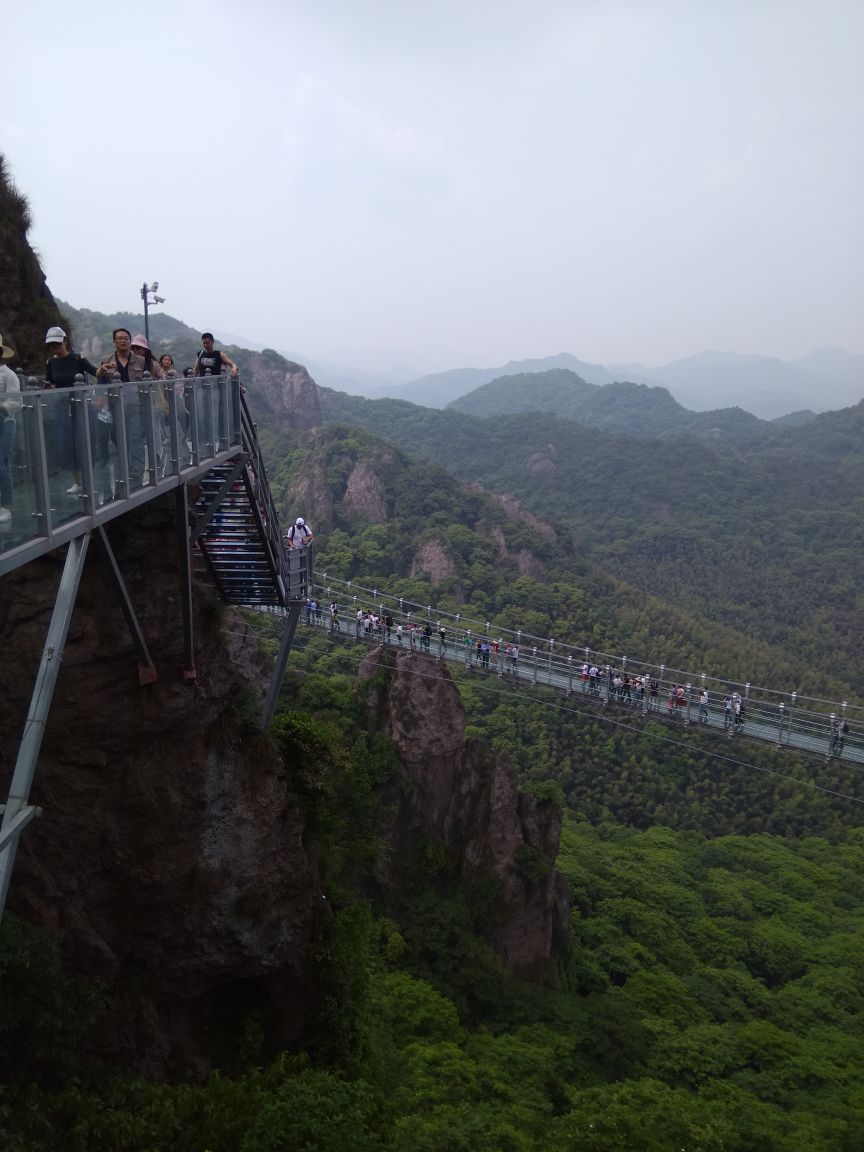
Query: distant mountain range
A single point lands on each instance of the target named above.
(640, 411)
(826, 379)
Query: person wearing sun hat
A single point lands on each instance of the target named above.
(60, 372)
(10, 390)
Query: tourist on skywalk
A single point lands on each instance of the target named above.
(60, 372)
(10, 405)
(703, 706)
(654, 694)
(298, 534)
(166, 363)
(130, 368)
(211, 359)
(839, 732)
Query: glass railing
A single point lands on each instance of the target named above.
(77, 450)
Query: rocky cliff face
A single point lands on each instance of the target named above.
(27, 308)
(169, 860)
(365, 494)
(468, 798)
(286, 388)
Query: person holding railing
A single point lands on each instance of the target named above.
(211, 359)
(60, 372)
(10, 404)
(298, 535)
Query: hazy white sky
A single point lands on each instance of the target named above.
(451, 183)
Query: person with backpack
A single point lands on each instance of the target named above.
(298, 534)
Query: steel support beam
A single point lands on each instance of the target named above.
(40, 704)
(146, 667)
(292, 617)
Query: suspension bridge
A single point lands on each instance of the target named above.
(132, 443)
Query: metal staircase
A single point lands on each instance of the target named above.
(237, 532)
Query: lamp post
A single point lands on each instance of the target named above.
(148, 290)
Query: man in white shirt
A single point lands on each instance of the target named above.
(10, 404)
(299, 534)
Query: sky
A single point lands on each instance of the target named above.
(414, 186)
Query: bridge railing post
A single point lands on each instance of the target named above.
(173, 428)
(83, 406)
(39, 457)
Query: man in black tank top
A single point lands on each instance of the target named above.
(212, 359)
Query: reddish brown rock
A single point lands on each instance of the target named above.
(310, 497)
(431, 559)
(169, 860)
(286, 389)
(365, 493)
(468, 798)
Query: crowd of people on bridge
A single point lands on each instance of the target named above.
(130, 361)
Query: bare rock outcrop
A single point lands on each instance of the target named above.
(432, 560)
(365, 494)
(544, 462)
(516, 513)
(310, 496)
(468, 798)
(286, 388)
(169, 861)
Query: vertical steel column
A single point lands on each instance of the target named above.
(40, 704)
(146, 668)
(237, 410)
(173, 429)
(146, 396)
(193, 421)
(82, 442)
(187, 671)
(281, 663)
(117, 405)
(39, 455)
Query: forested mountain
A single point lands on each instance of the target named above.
(624, 409)
(439, 388)
(828, 378)
(763, 538)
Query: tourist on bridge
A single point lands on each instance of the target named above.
(211, 359)
(10, 390)
(703, 706)
(60, 372)
(298, 534)
(654, 695)
(130, 368)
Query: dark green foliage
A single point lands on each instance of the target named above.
(44, 1012)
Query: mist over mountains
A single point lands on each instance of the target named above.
(764, 386)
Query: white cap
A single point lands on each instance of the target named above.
(299, 522)
(55, 336)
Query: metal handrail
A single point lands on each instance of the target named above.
(169, 462)
(571, 657)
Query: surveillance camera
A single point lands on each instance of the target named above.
(158, 299)
(154, 287)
